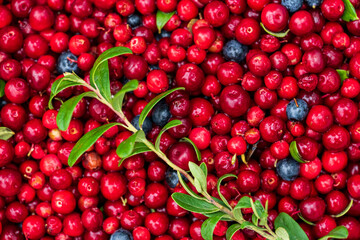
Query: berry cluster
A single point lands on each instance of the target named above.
(269, 93)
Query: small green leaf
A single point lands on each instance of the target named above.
(87, 141)
(169, 125)
(339, 232)
(306, 221)
(5, 133)
(219, 184)
(118, 99)
(254, 219)
(237, 213)
(2, 87)
(187, 188)
(162, 18)
(244, 202)
(204, 168)
(275, 34)
(207, 228)
(192, 204)
(349, 13)
(69, 80)
(343, 74)
(67, 108)
(199, 176)
(99, 74)
(295, 152)
(282, 233)
(232, 230)
(138, 148)
(291, 226)
(153, 102)
(345, 210)
(197, 151)
(257, 208)
(249, 225)
(126, 147)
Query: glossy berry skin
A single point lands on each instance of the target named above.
(312, 208)
(272, 129)
(113, 186)
(288, 169)
(274, 17)
(292, 5)
(157, 223)
(181, 154)
(190, 76)
(248, 31)
(234, 101)
(319, 118)
(235, 51)
(161, 114)
(34, 227)
(301, 23)
(353, 186)
(248, 181)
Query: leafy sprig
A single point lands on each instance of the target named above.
(286, 228)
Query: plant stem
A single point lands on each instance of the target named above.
(270, 235)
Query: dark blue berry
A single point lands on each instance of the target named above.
(121, 234)
(147, 125)
(161, 114)
(171, 178)
(153, 67)
(163, 34)
(297, 112)
(134, 20)
(64, 63)
(313, 3)
(292, 5)
(124, 80)
(288, 169)
(235, 51)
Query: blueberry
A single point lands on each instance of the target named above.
(288, 169)
(171, 178)
(292, 5)
(297, 112)
(235, 51)
(147, 125)
(313, 3)
(121, 234)
(134, 20)
(153, 67)
(2, 103)
(163, 34)
(66, 65)
(161, 114)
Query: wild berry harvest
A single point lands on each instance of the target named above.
(179, 120)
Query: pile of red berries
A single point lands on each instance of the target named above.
(275, 83)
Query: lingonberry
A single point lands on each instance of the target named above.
(33, 227)
(157, 223)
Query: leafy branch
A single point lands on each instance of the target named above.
(286, 228)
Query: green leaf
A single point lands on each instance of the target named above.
(349, 13)
(345, 210)
(87, 141)
(306, 221)
(250, 225)
(275, 34)
(295, 152)
(197, 151)
(153, 102)
(118, 99)
(343, 74)
(232, 230)
(257, 208)
(207, 228)
(99, 74)
(199, 176)
(169, 125)
(187, 188)
(138, 148)
(339, 232)
(244, 202)
(192, 204)
(2, 87)
(254, 219)
(282, 233)
(162, 18)
(204, 168)
(5, 133)
(291, 226)
(126, 147)
(218, 187)
(69, 80)
(67, 108)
